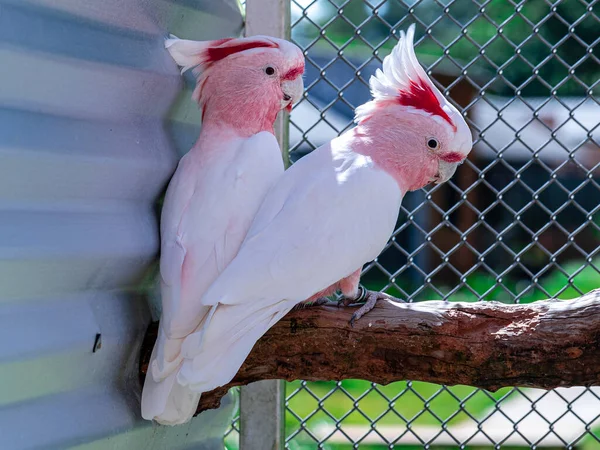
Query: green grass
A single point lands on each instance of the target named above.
(590, 442)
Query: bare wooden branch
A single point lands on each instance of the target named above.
(490, 345)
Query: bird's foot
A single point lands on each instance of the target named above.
(370, 298)
(317, 302)
(360, 298)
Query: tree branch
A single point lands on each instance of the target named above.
(490, 345)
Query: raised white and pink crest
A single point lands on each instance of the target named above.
(404, 82)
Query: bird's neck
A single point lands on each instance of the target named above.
(248, 111)
(215, 135)
(244, 122)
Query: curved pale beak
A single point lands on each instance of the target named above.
(447, 168)
(292, 92)
(445, 171)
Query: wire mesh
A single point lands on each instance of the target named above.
(518, 222)
(231, 438)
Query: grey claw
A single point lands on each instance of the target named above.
(344, 301)
(318, 302)
(372, 298)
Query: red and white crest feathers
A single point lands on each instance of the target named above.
(403, 81)
(201, 55)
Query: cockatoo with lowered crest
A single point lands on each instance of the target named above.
(216, 191)
(328, 215)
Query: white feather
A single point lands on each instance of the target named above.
(400, 69)
(187, 54)
(207, 212)
(307, 235)
(230, 337)
(166, 400)
(191, 54)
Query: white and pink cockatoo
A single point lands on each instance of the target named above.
(328, 215)
(216, 191)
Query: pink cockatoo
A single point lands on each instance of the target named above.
(216, 191)
(328, 215)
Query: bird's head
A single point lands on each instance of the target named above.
(246, 80)
(429, 138)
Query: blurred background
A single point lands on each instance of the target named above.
(526, 75)
(518, 222)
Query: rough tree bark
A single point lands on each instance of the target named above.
(490, 345)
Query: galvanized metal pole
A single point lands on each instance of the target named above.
(272, 18)
(262, 424)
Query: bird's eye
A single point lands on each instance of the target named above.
(433, 143)
(269, 70)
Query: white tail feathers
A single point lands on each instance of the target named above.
(166, 356)
(167, 402)
(226, 343)
(225, 338)
(163, 399)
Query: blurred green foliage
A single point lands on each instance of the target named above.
(569, 280)
(529, 46)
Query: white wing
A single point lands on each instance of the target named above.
(204, 222)
(208, 209)
(330, 213)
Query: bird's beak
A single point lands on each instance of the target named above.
(445, 171)
(292, 92)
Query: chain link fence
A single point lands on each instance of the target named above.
(519, 222)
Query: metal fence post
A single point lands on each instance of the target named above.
(272, 18)
(262, 423)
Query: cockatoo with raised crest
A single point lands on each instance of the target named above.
(216, 191)
(328, 215)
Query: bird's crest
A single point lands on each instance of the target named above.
(201, 55)
(403, 81)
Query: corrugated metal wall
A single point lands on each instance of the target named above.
(85, 88)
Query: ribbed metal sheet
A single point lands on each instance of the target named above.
(89, 136)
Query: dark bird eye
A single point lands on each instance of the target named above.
(433, 144)
(269, 70)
